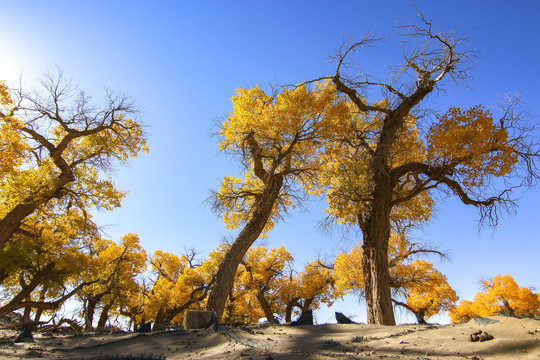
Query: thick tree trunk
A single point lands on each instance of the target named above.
(376, 226)
(229, 310)
(37, 317)
(89, 313)
(377, 287)
(248, 235)
(103, 317)
(160, 322)
(14, 218)
(307, 304)
(27, 311)
(288, 313)
(289, 309)
(39, 311)
(196, 319)
(375, 260)
(227, 269)
(377, 232)
(420, 318)
(266, 308)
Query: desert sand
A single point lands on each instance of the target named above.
(513, 339)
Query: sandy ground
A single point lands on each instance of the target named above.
(513, 339)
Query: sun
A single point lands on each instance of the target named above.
(9, 70)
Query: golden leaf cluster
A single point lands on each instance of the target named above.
(425, 290)
(470, 142)
(501, 295)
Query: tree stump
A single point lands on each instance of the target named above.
(306, 318)
(144, 328)
(25, 335)
(197, 319)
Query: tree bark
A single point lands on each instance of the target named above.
(160, 322)
(289, 309)
(17, 303)
(266, 308)
(376, 229)
(11, 222)
(196, 319)
(27, 311)
(89, 313)
(376, 226)
(288, 313)
(307, 304)
(377, 286)
(227, 269)
(103, 317)
(39, 311)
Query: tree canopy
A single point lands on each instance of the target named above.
(501, 296)
(277, 139)
(374, 146)
(391, 160)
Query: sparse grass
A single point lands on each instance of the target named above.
(359, 339)
(331, 344)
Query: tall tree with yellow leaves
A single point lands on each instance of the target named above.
(181, 283)
(44, 265)
(66, 145)
(112, 276)
(307, 289)
(260, 273)
(416, 285)
(393, 156)
(425, 289)
(277, 139)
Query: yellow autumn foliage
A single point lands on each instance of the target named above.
(289, 129)
(470, 142)
(425, 290)
(59, 149)
(13, 147)
(347, 170)
(307, 289)
(179, 284)
(501, 295)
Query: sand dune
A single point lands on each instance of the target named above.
(513, 339)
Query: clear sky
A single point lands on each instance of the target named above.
(182, 60)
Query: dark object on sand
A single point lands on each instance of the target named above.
(145, 328)
(481, 336)
(25, 335)
(421, 319)
(342, 319)
(305, 319)
(213, 321)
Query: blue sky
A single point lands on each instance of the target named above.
(182, 60)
